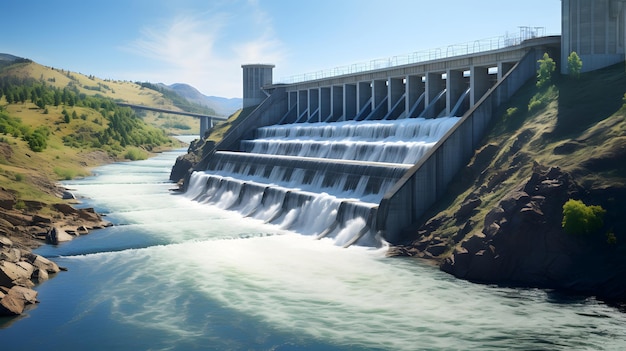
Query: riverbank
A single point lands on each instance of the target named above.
(26, 224)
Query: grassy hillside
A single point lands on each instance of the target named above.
(576, 125)
(125, 91)
(55, 125)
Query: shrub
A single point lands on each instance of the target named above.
(579, 218)
(19, 177)
(574, 65)
(135, 154)
(546, 67)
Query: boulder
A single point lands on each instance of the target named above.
(15, 300)
(65, 209)
(57, 235)
(11, 306)
(5, 242)
(42, 263)
(40, 275)
(11, 273)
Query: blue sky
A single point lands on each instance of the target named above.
(204, 42)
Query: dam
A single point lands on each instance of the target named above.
(360, 153)
(358, 157)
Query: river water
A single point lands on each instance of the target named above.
(175, 274)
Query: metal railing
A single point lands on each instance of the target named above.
(453, 50)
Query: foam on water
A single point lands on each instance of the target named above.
(205, 278)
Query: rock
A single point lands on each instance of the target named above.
(82, 230)
(5, 242)
(11, 306)
(38, 219)
(66, 195)
(15, 300)
(42, 263)
(28, 295)
(11, 274)
(29, 268)
(89, 214)
(57, 235)
(40, 275)
(65, 209)
(11, 255)
(467, 207)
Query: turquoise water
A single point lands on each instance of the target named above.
(174, 274)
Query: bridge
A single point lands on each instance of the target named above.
(206, 121)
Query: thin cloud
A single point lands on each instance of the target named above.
(206, 51)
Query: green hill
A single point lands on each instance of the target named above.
(55, 124)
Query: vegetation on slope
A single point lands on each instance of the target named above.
(123, 91)
(50, 131)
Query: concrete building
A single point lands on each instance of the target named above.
(595, 30)
(255, 76)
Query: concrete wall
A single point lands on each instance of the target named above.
(595, 30)
(426, 182)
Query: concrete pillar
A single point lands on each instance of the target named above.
(303, 103)
(293, 99)
(314, 103)
(414, 88)
(255, 77)
(479, 83)
(379, 92)
(337, 101)
(504, 68)
(205, 124)
(364, 93)
(349, 101)
(454, 89)
(434, 85)
(325, 103)
(395, 90)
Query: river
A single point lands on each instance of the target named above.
(175, 274)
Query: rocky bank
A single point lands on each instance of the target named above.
(28, 224)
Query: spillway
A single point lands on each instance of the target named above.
(319, 179)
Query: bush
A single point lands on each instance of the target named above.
(546, 67)
(135, 154)
(579, 218)
(574, 65)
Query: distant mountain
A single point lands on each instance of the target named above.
(220, 105)
(8, 57)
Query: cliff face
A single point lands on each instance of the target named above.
(501, 221)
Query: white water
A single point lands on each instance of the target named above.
(318, 174)
(175, 274)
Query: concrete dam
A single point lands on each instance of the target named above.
(359, 157)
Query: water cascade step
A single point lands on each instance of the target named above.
(319, 179)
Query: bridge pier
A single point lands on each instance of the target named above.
(206, 123)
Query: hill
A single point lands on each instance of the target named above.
(502, 220)
(221, 106)
(123, 91)
(55, 125)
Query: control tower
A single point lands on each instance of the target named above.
(255, 77)
(595, 30)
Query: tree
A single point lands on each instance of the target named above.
(574, 65)
(546, 67)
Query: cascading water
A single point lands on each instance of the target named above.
(320, 179)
